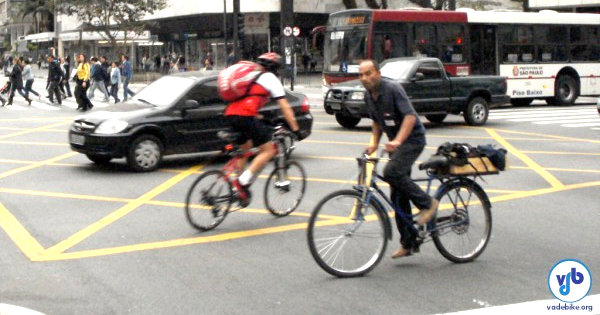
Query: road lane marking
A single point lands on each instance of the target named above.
(36, 165)
(544, 135)
(121, 212)
(176, 242)
(20, 235)
(32, 130)
(526, 159)
(36, 143)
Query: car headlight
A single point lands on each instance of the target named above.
(357, 96)
(111, 126)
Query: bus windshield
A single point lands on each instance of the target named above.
(344, 49)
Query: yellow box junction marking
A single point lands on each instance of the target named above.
(35, 252)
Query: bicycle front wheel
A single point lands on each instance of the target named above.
(464, 222)
(346, 237)
(208, 201)
(285, 188)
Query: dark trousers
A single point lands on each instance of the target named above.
(403, 189)
(83, 102)
(28, 85)
(13, 88)
(64, 85)
(114, 89)
(53, 89)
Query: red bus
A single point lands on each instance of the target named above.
(544, 55)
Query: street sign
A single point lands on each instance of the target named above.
(287, 31)
(296, 31)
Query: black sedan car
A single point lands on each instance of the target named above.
(175, 114)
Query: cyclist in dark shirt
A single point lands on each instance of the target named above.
(392, 113)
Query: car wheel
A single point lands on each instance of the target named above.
(436, 118)
(99, 159)
(145, 153)
(347, 121)
(566, 90)
(477, 111)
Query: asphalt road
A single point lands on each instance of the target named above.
(78, 238)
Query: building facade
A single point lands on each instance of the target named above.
(197, 30)
(566, 5)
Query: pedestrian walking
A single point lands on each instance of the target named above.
(55, 76)
(106, 73)
(16, 81)
(28, 77)
(66, 68)
(98, 75)
(115, 81)
(127, 75)
(82, 79)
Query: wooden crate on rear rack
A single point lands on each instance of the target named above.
(476, 166)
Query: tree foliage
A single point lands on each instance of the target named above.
(373, 4)
(108, 17)
(41, 11)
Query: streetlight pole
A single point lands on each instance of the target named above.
(225, 31)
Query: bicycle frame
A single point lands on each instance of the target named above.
(371, 190)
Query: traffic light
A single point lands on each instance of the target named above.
(241, 30)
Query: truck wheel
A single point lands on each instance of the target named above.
(347, 121)
(99, 159)
(477, 112)
(566, 90)
(436, 118)
(145, 153)
(520, 102)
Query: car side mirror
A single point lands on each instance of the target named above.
(190, 104)
(418, 77)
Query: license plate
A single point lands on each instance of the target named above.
(77, 139)
(336, 106)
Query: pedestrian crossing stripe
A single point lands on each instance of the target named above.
(586, 116)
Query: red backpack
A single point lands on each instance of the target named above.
(235, 81)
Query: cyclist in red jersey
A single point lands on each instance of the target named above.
(242, 114)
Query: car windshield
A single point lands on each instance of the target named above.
(397, 69)
(162, 92)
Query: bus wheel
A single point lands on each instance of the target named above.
(477, 111)
(520, 102)
(347, 121)
(566, 91)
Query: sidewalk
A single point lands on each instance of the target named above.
(311, 80)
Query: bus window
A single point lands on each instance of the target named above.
(389, 40)
(425, 41)
(451, 40)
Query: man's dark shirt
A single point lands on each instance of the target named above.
(54, 72)
(390, 108)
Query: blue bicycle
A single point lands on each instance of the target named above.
(349, 229)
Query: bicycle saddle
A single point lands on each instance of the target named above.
(435, 162)
(228, 136)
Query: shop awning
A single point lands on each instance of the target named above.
(40, 37)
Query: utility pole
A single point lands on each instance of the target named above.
(224, 32)
(452, 5)
(286, 40)
(236, 38)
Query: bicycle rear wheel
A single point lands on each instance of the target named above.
(208, 201)
(345, 237)
(463, 223)
(285, 188)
